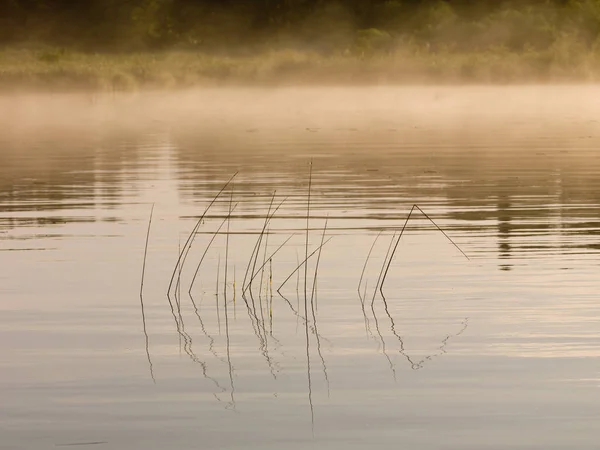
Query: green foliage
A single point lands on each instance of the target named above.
(329, 27)
(51, 55)
(372, 41)
(267, 39)
(584, 20)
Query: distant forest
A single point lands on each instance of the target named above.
(327, 27)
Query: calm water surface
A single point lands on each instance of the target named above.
(501, 350)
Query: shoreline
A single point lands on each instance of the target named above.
(63, 71)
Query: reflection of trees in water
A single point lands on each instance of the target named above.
(504, 232)
(521, 192)
(53, 172)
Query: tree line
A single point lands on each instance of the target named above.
(234, 26)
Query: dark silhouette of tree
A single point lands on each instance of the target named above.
(225, 25)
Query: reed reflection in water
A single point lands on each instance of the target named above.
(275, 312)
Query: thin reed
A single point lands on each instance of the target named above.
(188, 243)
(147, 338)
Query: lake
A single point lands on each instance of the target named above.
(468, 321)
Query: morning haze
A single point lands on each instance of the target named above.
(299, 224)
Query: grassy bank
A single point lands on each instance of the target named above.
(58, 70)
